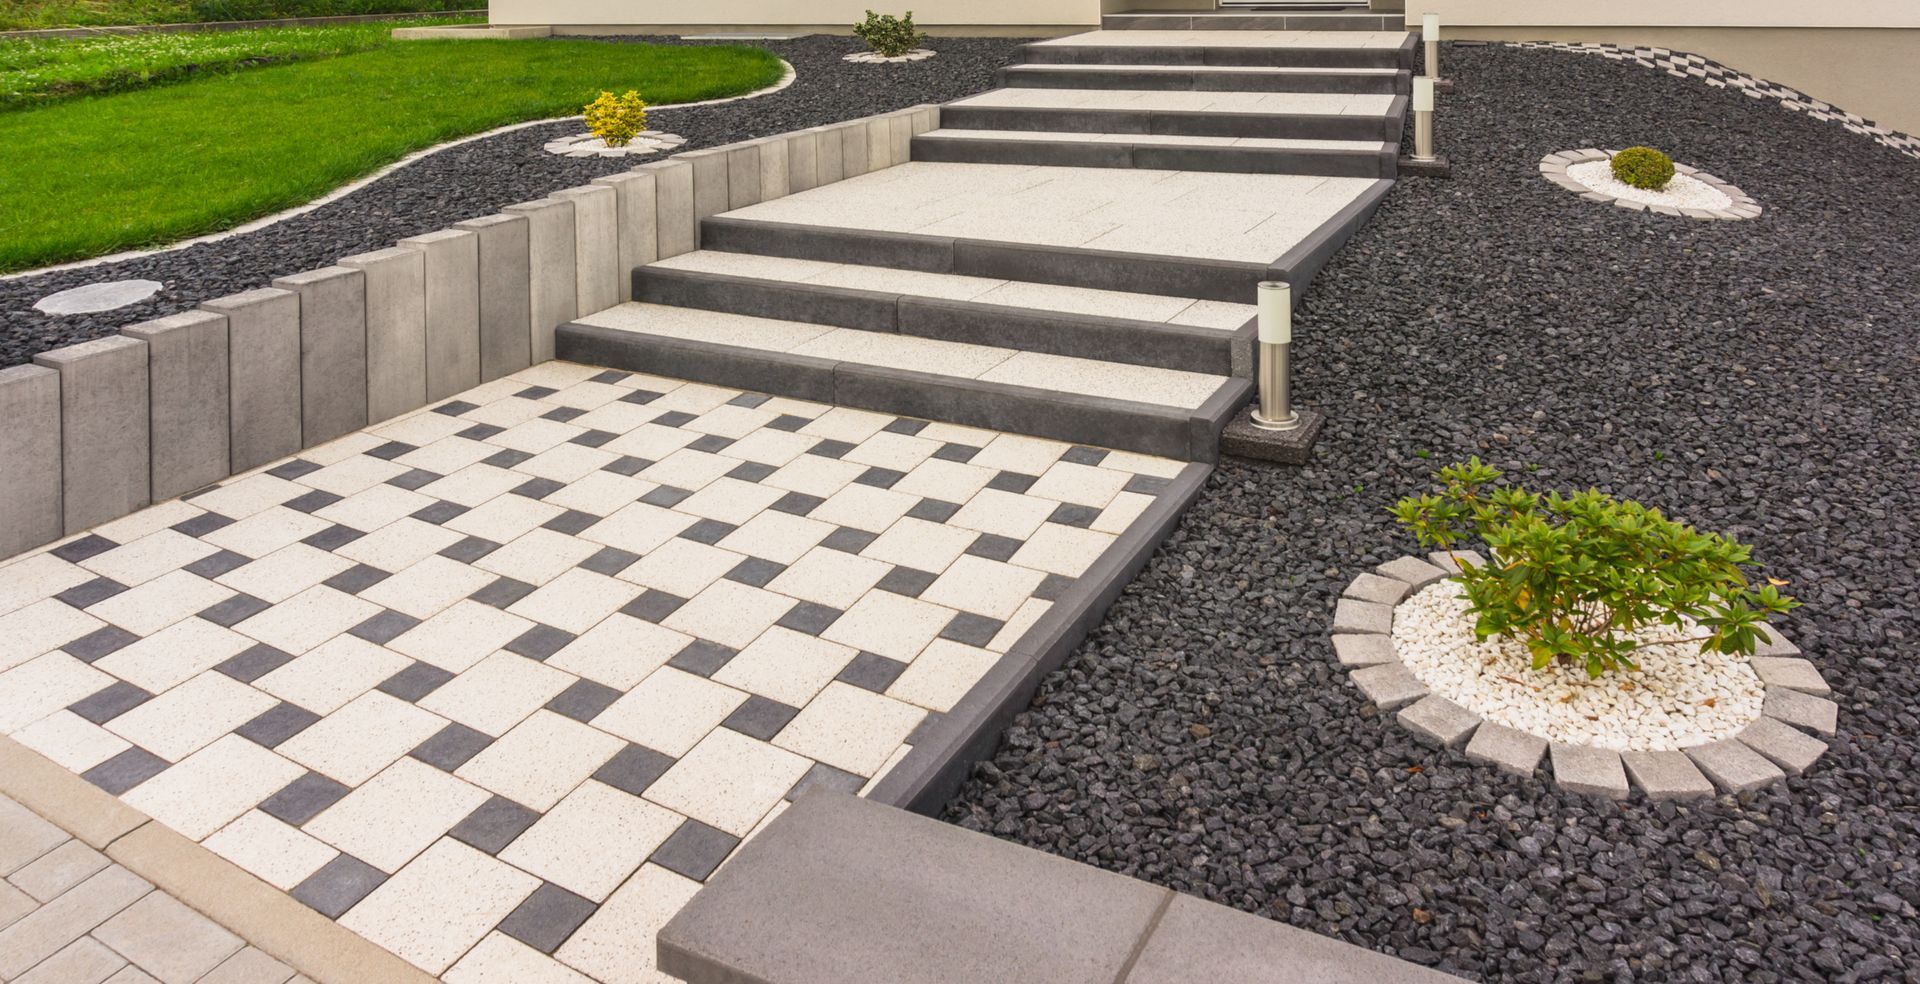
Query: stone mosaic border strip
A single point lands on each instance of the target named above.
(1554, 167)
(110, 426)
(1770, 749)
(1680, 64)
(876, 58)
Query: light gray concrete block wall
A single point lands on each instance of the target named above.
(263, 346)
(188, 382)
(105, 455)
(505, 299)
(596, 247)
(30, 447)
(829, 150)
(900, 132)
(552, 279)
(743, 174)
(450, 272)
(710, 194)
(679, 230)
(333, 351)
(637, 221)
(396, 300)
(879, 143)
(803, 161)
(774, 179)
(854, 160)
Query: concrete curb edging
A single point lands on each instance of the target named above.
(1554, 167)
(949, 745)
(1772, 748)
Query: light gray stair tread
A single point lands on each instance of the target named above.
(1236, 69)
(1185, 101)
(1164, 139)
(1087, 377)
(983, 290)
(1230, 39)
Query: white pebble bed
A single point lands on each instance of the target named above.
(1680, 696)
(1682, 192)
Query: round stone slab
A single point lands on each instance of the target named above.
(1553, 167)
(94, 298)
(1773, 747)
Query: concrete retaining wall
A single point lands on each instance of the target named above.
(103, 428)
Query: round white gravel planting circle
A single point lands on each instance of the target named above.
(588, 145)
(876, 58)
(1693, 193)
(1680, 697)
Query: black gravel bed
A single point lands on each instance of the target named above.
(482, 177)
(1757, 378)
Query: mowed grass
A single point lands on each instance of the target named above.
(22, 15)
(99, 174)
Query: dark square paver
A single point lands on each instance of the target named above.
(303, 799)
(384, 627)
(827, 777)
(907, 581)
(277, 724)
(584, 700)
(702, 657)
(126, 770)
(540, 642)
(215, 564)
(547, 917)
(235, 610)
(254, 663)
(809, 617)
(760, 717)
(493, 825)
(452, 746)
(355, 579)
(972, 629)
(695, 850)
(634, 768)
(610, 561)
(338, 886)
(993, 546)
(653, 606)
(415, 681)
(110, 702)
(92, 592)
(100, 642)
(502, 592)
(872, 671)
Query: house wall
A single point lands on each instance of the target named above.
(833, 14)
(1859, 55)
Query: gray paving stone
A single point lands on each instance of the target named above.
(1197, 940)
(188, 389)
(829, 151)
(1734, 767)
(83, 961)
(1777, 644)
(1791, 672)
(1666, 775)
(493, 825)
(1589, 771)
(1439, 720)
(694, 850)
(106, 460)
(249, 966)
(1364, 649)
(547, 917)
(1784, 745)
(1816, 714)
(552, 271)
(24, 837)
(450, 268)
(58, 870)
(1353, 615)
(1389, 685)
(30, 445)
(1450, 561)
(1514, 751)
(637, 215)
(596, 248)
(164, 937)
(333, 352)
(45, 931)
(338, 884)
(396, 301)
(1415, 572)
(1379, 590)
(505, 301)
(803, 160)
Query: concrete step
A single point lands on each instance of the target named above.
(1277, 115)
(1356, 19)
(1280, 49)
(1245, 155)
(1373, 81)
(1117, 326)
(1132, 408)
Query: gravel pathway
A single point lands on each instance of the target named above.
(482, 177)
(1758, 378)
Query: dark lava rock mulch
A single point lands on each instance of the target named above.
(1758, 378)
(484, 176)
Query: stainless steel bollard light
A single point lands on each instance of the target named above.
(1430, 33)
(1275, 412)
(1423, 119)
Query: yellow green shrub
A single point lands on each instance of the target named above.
(617, 119)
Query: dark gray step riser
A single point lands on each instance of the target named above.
(1192, 435)
(1201, 56)
(1298, 127)
(1254, 22)
(1202, 80)
(1159, 157)
(1139, 343)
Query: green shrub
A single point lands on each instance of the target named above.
(617, 119)
(1643, 168)
(1574, 577)
(889, 35)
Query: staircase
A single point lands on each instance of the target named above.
(1072, 255)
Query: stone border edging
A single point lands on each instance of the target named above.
(1770, 749)
(876, 58)
(347, 189)
(1554, 167)
(195, 27)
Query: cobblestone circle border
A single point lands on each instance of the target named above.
(1553, 167)
(1772, 748)
(876, 58)
(582, 145)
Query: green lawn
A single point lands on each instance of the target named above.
(92, 175)
(38, 71)
(24, 15)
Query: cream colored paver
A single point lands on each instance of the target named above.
(729, 781)
(43, 685)
(440, 905)
(40, 628)
(729, 613)
(947, 481)
(616, 945)
(325, 679)
(152, 606)
(786, 666)
(149, 557)
(682, 567)
(688, 469)
(40, 576)
(601, 493)
(943, 674)
(592, 840)
(354, 743)
(1003, 514)
(769, 447)
(815, 475)
(1082, 484)
(729, 500)
(576, 601)
(538, 557)
(639, 528)
(212, 786)
(829, 577)
(356, 473)
(475, 485)
(249, 495)
(428, 588)
(1121, 512)
(401, 544)
(620, 651)
(267, 530)
(731, 421)
(777, 536)
(1019, 453)
(850, 728)
(173, 655)
(396, 814)
(541, 760)
(920, 544)
(189, 717)
(285, 572)
(891, 625)
(281, 855)
(566, 462)
(72, 741)
(307, 619)
(864, 507)
(670, 711)
(505, 518)
(497, 693)
(1017, 626)
(501, 959)
(1064, 550)
(986, 587)
(460, 636)
(847, 424)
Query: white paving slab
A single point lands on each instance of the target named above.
(1230, 39)
(1185, 101)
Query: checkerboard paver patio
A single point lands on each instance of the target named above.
(499, 683)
